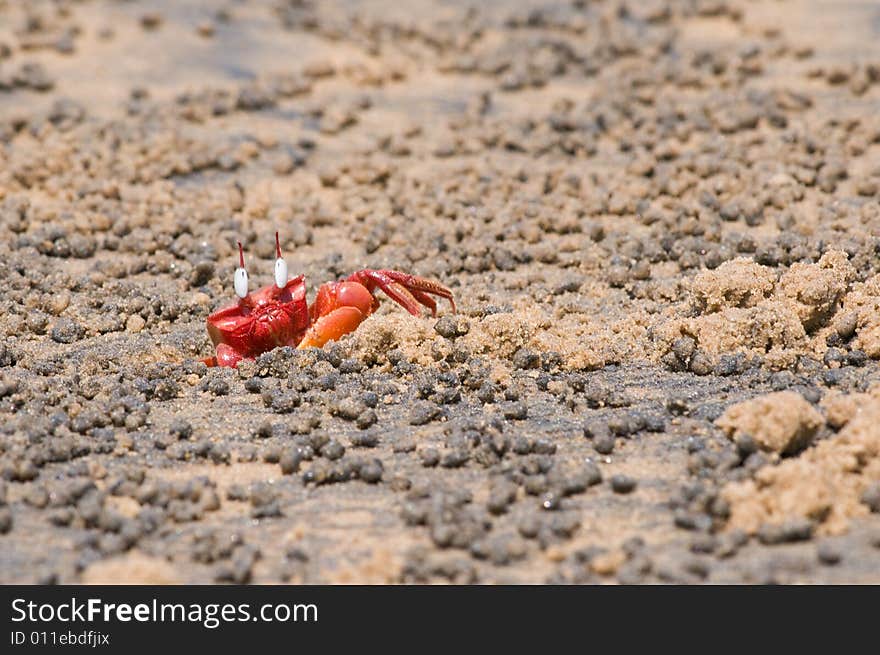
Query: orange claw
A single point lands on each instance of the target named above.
(332, 326)
(340, 307)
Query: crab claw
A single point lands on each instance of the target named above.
(340, 307)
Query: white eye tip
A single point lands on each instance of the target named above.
(241, 282)
(280, 273)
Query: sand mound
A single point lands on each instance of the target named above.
(824, 484)
(779, 422)
(380, 334)
(582, 343)
(770, 329)
(864, 302)
(740, 308)
(815, 290)
(501, 335)
(740, 282)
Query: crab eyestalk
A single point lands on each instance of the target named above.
(280, 266)
(240, 279)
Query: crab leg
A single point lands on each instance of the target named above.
(408, 291)
(340, 307)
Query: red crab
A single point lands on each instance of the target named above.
(277, 315)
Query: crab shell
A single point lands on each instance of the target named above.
(265, 319)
